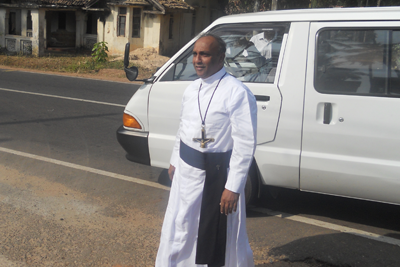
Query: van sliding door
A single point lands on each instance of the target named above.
(351, 142)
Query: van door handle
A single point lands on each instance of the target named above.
(264, 98)
(327, 113)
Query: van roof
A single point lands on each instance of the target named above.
(317, 14)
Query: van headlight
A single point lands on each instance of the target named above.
(130, 121)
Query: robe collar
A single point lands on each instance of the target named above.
(215, 77)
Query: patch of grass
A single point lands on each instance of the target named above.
(80, 63)
(60, 63)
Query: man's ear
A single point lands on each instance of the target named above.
(222, 58)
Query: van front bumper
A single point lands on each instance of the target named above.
(136, 145)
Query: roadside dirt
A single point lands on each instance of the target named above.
(48, 224)
(104, 74)
(146, 59)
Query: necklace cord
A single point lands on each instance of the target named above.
(203, 121)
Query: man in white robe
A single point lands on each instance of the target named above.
(228, 111)
(264, 41)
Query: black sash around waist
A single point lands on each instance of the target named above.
(211, 240)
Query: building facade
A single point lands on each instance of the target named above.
(34, 26)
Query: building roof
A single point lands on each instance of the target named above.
(128, 2)
(65, 2)
(159, 5)
(176, 4)
(53, 2)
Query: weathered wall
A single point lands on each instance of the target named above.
(2, 27)
(206, 12)
(24, 14)
(151, 32)
(80, 28)
(38, 31)
(116, 44)
(136, 42)
(181, 32)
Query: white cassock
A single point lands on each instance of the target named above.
(232, 121)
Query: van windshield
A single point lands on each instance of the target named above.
(252, 52)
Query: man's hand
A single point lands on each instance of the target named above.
(171, 172)
(229, 201)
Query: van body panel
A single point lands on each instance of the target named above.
(267, 111)
(355, 153)
(137, 107)
(279, 161)
(327, 123)
(164, 116)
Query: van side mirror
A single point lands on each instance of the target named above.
(132, 72)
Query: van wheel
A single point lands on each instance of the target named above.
(251, 188)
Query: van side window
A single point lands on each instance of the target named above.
(252, 52)
(358, 62)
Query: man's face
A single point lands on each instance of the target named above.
(269, 35)
(206, 58)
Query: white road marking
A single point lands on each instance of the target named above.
(62, 97)
(279, 214)
(84, 168)
(331, 226)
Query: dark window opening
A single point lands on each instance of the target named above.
(62, 20)
(91, 24)
(29, 21)
(136, 22)
(121, 21)
(12, 23)
(29, 24)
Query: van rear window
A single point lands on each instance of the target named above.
(252, 52)
(358, 62)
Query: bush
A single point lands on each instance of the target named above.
(100, 50)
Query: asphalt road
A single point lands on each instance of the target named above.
(68, 196)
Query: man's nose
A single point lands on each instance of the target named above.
(197, 58)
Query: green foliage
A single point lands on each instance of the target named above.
(353, 3)
(100, 50)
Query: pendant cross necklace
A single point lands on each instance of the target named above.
(203, 140)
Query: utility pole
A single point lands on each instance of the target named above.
(274, 5)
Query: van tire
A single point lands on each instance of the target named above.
(252, 184)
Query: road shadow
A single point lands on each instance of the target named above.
(163, 178)
(295, 202)
(339, 249)
(4, 140)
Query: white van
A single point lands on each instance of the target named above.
(328, 97)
